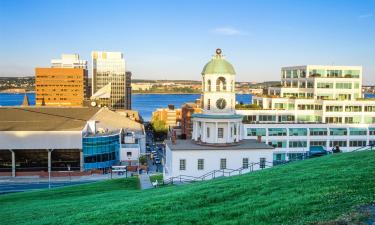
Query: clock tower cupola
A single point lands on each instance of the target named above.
(218, 124)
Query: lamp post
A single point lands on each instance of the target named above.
(49, 167)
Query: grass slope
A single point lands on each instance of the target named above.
(321, 189)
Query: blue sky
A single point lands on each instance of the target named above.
(174, 39)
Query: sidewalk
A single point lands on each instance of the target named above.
(144, 180)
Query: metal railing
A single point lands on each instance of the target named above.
(232, 172)
(218, 173)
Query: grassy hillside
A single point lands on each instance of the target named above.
(322, 189)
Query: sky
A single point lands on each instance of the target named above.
(165, 39)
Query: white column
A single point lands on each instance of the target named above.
(81, 160)
(229, 133)
(216, 132)
(237, 131)
(13, 163)
(204, 133)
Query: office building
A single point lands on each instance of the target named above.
(109, 80)
(64, 84)
(316, 108)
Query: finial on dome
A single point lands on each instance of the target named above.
(218, 51)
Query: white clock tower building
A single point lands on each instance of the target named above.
(217, 143)
(218, 124)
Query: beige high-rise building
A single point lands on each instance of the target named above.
(109, 80)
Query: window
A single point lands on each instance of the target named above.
(371, 131)
(357, 143)
(325, 85)
(279, 156)
(318, 143)
(333, 119)
(209, 104)
(262, 163)
(129, 154)
(223, 164)
(331, 108)
(341, 143)
(276, 131)
(277, 144)
(256, 131)
(286, 118)
(318, 131)
(182, 164)
(220, 132)
(209, 85)
(356, 108)
(208, 132)
(338, 131)
(369, 108)
(200, 164)
(221, 84)
(245, 163)
(267, 118)
(297, 131)
(344, 85)
(357, 131)
(297, 144)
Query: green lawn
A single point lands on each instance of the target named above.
(321, 189)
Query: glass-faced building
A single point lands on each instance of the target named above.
(101, 151)
(108, 70)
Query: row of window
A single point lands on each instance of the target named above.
(303, 144)
(301, 73)
(223, 163)
(311, 131)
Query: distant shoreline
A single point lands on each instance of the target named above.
(172, 93)
(15, 92)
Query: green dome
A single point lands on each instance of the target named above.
(218, 65)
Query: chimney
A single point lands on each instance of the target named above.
(259, 139)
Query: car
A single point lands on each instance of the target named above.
(157, 161)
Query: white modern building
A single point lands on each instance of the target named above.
(69, 61)
(315, 108)
(217, 142)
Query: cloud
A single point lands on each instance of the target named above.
(228, 31)
(365, 16)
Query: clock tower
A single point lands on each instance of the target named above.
(218, 124)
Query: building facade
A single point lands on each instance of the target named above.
(187, 110)
(64, 84)
(108, 75)
(128, 90)
(315, 106)
(170, 116)
(35, 140)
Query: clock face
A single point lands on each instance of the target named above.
(221, 103)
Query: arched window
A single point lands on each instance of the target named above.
(209, 85)
(221, 84)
